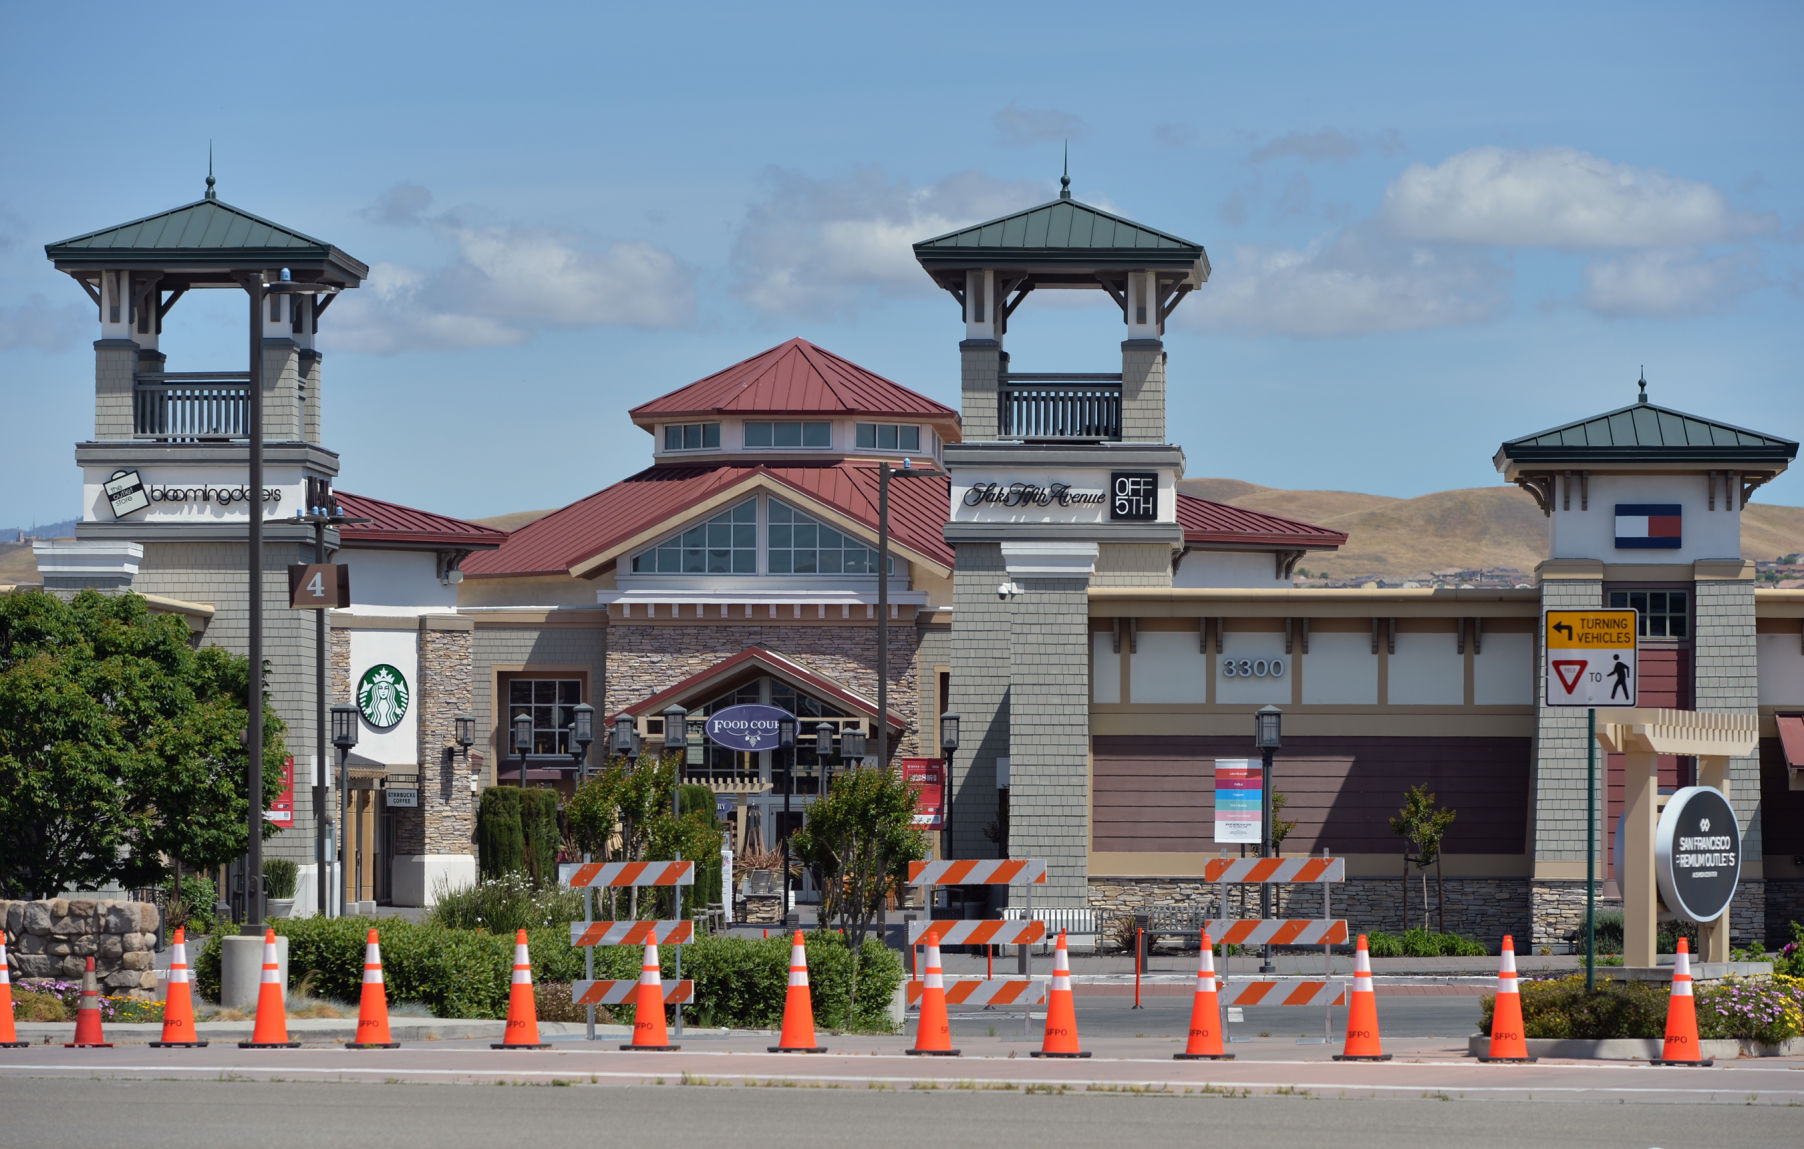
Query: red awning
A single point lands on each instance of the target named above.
(1791, 737)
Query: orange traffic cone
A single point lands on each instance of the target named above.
(372, 1009)
(649, 1030)
(1682, 1046)
(933, 1032)
(522, 1030)
(1362, 1016)
(1061, 1010)
(178, 1001)
(9, 1036)
(271, 1030)
(87, 1018)
(1205, 1013)
(1508, 1041)
(798, 1007)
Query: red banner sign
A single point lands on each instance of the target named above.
(282, 813)
(929, 774)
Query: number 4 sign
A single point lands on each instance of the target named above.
(319, 586)
(1591, 657)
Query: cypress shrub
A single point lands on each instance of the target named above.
(539, 833)
(500, 842)
(699, 802)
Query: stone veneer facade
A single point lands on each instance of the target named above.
(54, 939)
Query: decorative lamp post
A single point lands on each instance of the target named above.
(344, 737)
(786, 740)
(1268, 722)
(948, 745)
(465, 727)
(582, 733)
(522, 742)
(626, 737)
(823, 749)
(852, 744)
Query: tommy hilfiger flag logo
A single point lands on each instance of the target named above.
(1647, 526)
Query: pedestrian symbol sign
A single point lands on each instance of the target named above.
(1590, 657)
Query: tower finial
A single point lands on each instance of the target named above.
(1065, 179)
(211, 194)
(1643, 397)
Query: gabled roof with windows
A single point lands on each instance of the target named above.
(584, 537)
(750, 663)
(797, 378)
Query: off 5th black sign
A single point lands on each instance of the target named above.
(1697, 853)
(1134, 496)
(319, 586)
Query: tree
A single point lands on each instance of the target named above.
(860, 837)
(1422, 825)
(623, 814)
(119, 744)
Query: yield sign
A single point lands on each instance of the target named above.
(1569, 671)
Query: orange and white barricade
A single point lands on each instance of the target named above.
(1026, 872)
(978, 993)
(587, 934)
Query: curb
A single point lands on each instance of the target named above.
(1638, 1048)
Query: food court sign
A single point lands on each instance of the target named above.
(752, 726)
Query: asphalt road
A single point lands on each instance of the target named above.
(154, 1114)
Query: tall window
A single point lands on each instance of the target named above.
(801, 545)
(550, 703)
(1664, 613)
(725, 544)
(691, 436)
(889, 437)
(789, 434)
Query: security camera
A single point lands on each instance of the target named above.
(1008, 590)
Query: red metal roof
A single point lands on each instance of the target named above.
(797, 378)
(1207, 522)
(1791, 737)
(662, 495)
(751, 660)
(394, 523)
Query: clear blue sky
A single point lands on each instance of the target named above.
(1433, 227)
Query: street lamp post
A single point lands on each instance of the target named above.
(823, 749)
(948, 745)
(522, 742)
(884, 474)
(344, 736)
(1267, 728)
(626, 737)
(582, 733)
(786, 740)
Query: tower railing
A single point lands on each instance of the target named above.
(191, 406)
(1068, 406)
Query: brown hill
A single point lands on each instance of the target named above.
(17, 564)
(1449, 530)
(513, 521)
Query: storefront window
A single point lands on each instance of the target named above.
(1664, 613)
(549, 702)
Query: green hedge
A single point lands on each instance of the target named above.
(500, 843)
(1754, 1009)
(740, 982)
(1421, 943)
(539, 834)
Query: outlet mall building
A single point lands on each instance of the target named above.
(1102, 636)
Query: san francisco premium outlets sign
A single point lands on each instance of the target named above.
(1697, 853)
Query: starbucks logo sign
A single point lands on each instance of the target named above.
(382, 696)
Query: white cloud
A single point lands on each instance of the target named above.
(827, 245)
(1668, 283)
(1349, 284)
(41, 325)
(1023, 127)
(506, 284)
(1556, 197)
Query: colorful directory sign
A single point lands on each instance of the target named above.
(1239, 797)
(928, 776)
(1590, 657)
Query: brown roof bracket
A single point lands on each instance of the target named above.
(1202, 636)
(1540, 489)
(1375, 623)
(1290, 625)
(1459, 636)
(1478, 636)
(1389, 628)
(1117, 635)
(1133, 629)
(1303, 626)
(1287, 562)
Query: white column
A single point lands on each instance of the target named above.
(981, 321)
(115, 305)
(1143, 305)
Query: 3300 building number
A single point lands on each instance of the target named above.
(1252, 668)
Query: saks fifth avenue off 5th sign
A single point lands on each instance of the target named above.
(1080, 496)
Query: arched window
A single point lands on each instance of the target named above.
(725, 544)
(800, 544)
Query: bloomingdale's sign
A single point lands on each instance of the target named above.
(127, 492)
